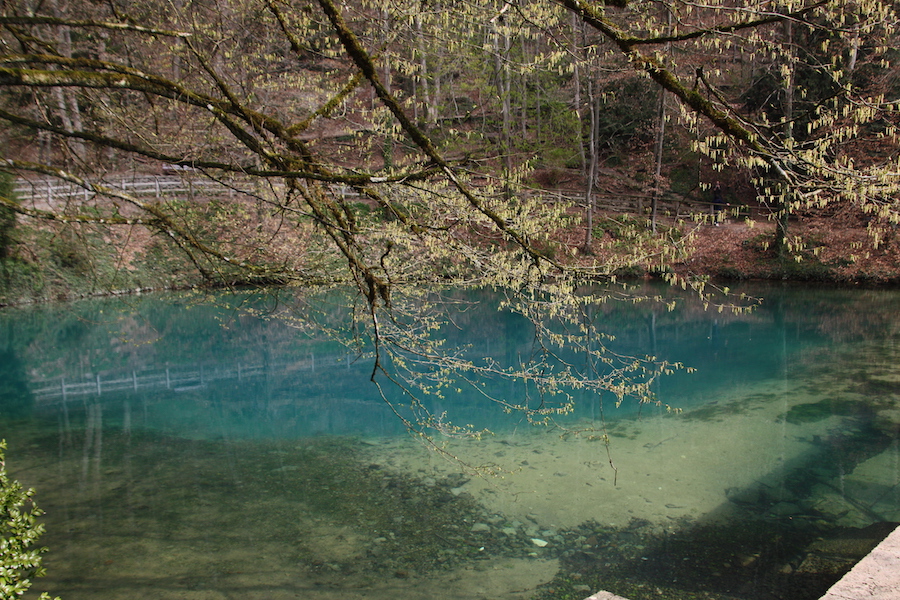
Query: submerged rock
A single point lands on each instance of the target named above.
(784, 509)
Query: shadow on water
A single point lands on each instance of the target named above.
(16, 400)
(778, 539)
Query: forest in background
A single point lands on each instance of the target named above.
(448, 122)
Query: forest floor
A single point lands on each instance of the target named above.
(833, 250)
(838, 245)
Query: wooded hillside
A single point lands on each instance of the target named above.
(448, 120)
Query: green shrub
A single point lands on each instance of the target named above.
(20, 560)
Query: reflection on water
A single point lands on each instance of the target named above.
(187, 450)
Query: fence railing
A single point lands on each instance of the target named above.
(667, 205)
(51, 190)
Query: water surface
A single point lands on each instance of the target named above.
(192, 449)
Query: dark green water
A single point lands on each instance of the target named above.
(187, 449)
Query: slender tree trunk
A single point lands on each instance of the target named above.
(854, 52)
(577, 31)
(437, 84)
(67, 107)
(660, 138)
(422, 80)
(507, 108)
(501, 57)
(658, 158)
(593, 159)
(523, 86)
(387, 151)
(783, 210)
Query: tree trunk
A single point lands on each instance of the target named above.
(523, 87)
(784, 207)
(387, 150)
(501, 58)
(658, 158)
(593, 159)
(422, 80)
(67, 107)
(577, 32)
(660, 139)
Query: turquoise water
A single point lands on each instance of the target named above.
(193, 447)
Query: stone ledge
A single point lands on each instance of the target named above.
(875, 577)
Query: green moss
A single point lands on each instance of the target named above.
(715, 411)
(712, 412)
(818, 411)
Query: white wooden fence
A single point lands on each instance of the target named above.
(50, 191)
